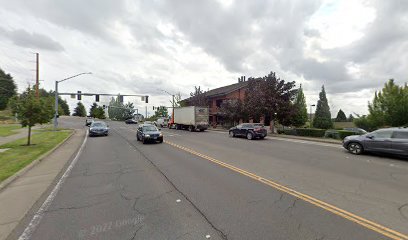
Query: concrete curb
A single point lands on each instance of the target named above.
(288, 137)
(303, 139)
(12, 178)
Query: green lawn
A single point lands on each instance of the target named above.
(7, 129)
(19, 155)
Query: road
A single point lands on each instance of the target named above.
(205, 185)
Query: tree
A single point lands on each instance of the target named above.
(161, 112)
(93, 109)
(31, 110)
(350, 118)
(63, 108)
(270, 96)
(389, 106)
(322, 118)
(118, 111)
(341, 116)
(197, 98)
(7, 89)
(232, 110)
(300, 109)
(99, 112)
(79, 110)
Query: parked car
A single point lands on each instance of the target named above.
(131, 121)
(249, 130)
(387, 140)
(358, 131)
(149, 133)
(98, 128)
(89, 121)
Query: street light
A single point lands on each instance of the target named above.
(310, 121)
(56, 96)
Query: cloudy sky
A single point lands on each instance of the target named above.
(146, 46)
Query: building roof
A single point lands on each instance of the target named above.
(223, 90)
(226, 89)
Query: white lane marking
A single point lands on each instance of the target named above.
(29, 230)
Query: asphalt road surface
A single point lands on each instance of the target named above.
(205, 185)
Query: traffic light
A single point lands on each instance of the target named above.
(96, 98)
(79, 96)
(121, 98)
(104, 106)
(153, 107)
(146, 99)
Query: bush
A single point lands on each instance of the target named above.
(289, 131)
(310, 132)
(345, 133)
(332, 134)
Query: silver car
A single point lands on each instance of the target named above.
(387, 140)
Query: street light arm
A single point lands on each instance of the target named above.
(74, 76)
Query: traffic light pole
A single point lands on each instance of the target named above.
(56, 106)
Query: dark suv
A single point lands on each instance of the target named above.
(387, 140)
(249, 130)
(148, 133)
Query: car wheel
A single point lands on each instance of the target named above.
(144, 141)
(355, 148)
(190, 128)
(262, 138)
(137, 137)
(161, 141)
(250, 136)
(231, 134)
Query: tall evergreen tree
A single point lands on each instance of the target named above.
(79, 110)
(7, 88)
(300, 115)
(322, 118)
(350, 118)
(341, 116)
(93, 109)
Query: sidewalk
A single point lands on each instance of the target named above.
(20, 195)
(313, 139)
(20, 133)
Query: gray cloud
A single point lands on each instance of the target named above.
(23, 38)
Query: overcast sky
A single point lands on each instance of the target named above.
(146, 46)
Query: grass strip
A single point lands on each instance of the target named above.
(8, 129)
(20, 155)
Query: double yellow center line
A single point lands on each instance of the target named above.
(333, 209)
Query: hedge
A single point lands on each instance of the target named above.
(315, 132)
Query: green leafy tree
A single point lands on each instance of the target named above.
(350, 118)
(63, 108)
(31, 110)
(118, 111)
(270, 96)
(161, 112)
(341, 116)
(322, 118)
(232, 110)
(7, 89)
(300, 109)
(389, 106)
(79, 110)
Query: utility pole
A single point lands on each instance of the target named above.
(146, 112)
(37, 75)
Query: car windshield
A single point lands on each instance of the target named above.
(98, 124)
(149, 128)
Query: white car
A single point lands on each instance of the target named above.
(162, 122)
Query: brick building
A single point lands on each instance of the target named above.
(216, 96)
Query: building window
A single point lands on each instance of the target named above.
(219, 102)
